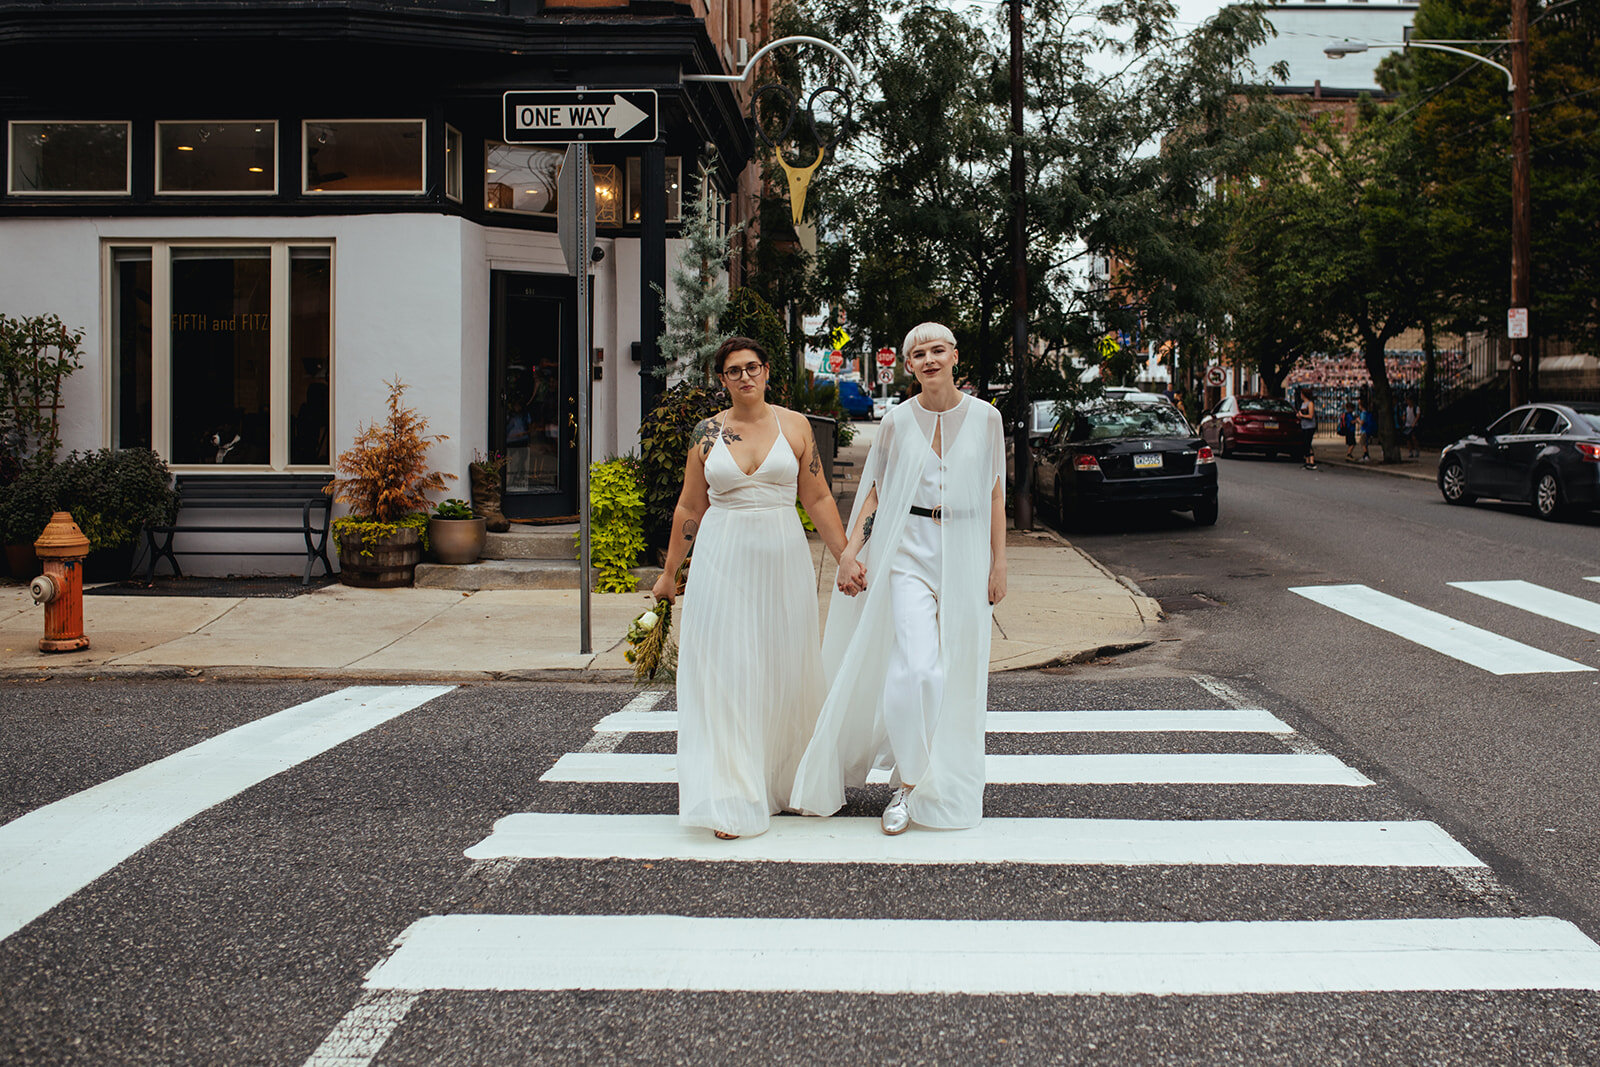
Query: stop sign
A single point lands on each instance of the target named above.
(885, 357)
(836, 361)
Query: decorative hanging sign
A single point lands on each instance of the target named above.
(799, 175)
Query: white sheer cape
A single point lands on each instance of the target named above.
(850, 738)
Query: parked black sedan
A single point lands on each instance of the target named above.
(1116, 454)
(1545, 454)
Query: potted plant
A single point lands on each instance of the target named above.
(384, 477)
(457, 537)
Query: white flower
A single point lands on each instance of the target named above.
(647, 621)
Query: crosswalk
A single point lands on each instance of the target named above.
(1007, 954)
(1463, 641)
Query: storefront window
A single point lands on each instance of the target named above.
(130, 314)
(82, 158)
(232, 372)
(221, 375)
(364, 156)
(519, 177)
(216, 157)
(452, 163)
(310, 354)
(674, 189)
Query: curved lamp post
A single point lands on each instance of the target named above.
(1521, 178)
(750, 64)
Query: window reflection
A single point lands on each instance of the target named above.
(221, 326)
(216, 157)
(310, 350)
(69, 157)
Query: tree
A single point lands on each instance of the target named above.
(691, 333)
(1458, 109)
(915, 215)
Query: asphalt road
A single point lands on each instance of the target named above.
(243, 934)
(1509, 760)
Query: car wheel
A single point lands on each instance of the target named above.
(1547, 498)
(1453, 483)
(1205, 513)
(1222, 446)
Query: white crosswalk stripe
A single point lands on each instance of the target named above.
(1152, 720)
(908, 956)
(1097, 769)
(1032, 841)
(991, 956)
(1562, 607)
(1441, 633)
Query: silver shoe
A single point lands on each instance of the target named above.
(896, 817)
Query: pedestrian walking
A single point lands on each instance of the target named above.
(750, 680)
(908, 659)
(1369, 429)
(1308, 427)
(1408, 424)
(1349, 419)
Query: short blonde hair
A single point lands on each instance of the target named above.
(924, 332)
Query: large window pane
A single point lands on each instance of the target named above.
(674, 184)
(350, 156)
(69, 157)
(452, 163)
(221, 355)
(310, 350)
(519, 177)
(130, 318)
(216, 157)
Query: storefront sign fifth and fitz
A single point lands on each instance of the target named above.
(615, 116)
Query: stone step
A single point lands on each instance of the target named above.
(514, 574)
(534, 542)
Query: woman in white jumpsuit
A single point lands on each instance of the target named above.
(907, 662)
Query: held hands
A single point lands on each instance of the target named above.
(852, 578)
(666, 588)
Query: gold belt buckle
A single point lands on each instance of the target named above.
(938, 515)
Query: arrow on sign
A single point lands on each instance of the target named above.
(620, 116)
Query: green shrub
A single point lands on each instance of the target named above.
(453, 508)
(112, 496)
(365, 531)
(664, 439)
(616, 523)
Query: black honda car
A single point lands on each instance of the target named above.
(1118, 454)
(1545, 454)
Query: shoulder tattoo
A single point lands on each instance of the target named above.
(706, 433)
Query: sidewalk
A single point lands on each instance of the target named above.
(1061, 607)
(1425, 467)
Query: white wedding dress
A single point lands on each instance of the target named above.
(749, 654)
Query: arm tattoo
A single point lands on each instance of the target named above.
(816, 456)
(866, 527)
(690, 528)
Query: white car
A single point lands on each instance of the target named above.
(881, 406)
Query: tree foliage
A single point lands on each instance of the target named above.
(384, 474)
(700, 290)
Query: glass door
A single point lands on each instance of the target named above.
(533, 392)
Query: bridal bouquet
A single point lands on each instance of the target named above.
(649, 652)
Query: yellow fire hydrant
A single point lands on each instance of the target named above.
(61, 548)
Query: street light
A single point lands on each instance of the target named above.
(1521, 177)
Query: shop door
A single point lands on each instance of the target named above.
(533, 390)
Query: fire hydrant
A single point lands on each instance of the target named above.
(61, 548)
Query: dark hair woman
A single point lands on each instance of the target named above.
(749, 662)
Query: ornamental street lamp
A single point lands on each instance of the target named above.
(1521, 178)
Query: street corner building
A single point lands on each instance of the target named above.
(260, 213)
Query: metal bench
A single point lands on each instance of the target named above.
(248, 492)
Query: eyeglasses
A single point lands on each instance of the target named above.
(733, 374)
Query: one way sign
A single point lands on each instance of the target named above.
(616, 116)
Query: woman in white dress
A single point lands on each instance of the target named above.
(749, 663)
(908, 662)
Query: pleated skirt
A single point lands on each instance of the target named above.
(750, 680)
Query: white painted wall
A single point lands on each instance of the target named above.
(411, 297)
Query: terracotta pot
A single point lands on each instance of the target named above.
(24, 565)
(389, 561)
(457, 541)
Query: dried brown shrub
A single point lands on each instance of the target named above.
(384, 475)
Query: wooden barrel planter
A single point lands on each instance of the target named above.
(382, 561)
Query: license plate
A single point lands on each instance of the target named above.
(1146, 461)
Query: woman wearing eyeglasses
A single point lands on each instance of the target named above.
(908, 663)
(749, 662)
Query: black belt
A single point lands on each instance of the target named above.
(938, 513)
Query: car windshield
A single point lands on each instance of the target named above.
(1044, 415)
(1265, 403)
(1588, 416)
(1130, 420)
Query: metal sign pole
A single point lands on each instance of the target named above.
(585, 240)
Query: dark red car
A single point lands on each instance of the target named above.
(1265, 424)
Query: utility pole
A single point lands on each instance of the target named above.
(1022, 499)
(1521, 200)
